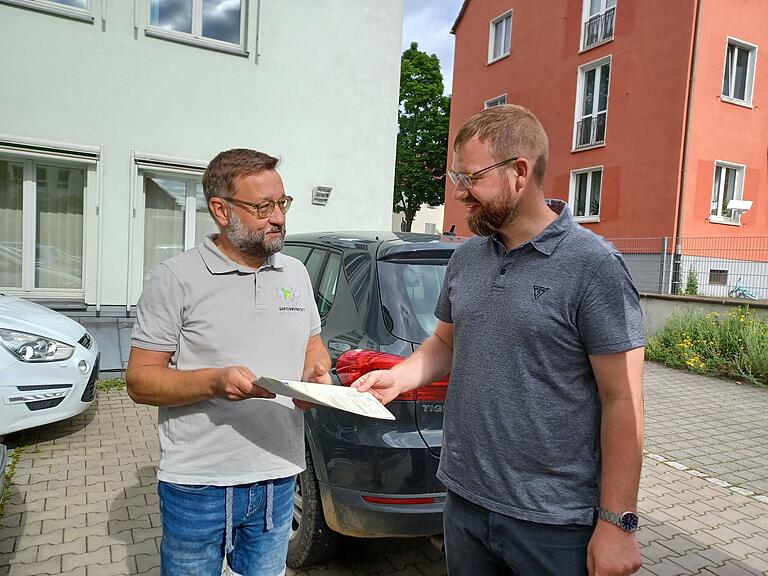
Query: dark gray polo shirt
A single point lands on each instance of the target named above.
(212, 312)
(522, 422)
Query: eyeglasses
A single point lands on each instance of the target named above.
(466, 178)
(264, 209)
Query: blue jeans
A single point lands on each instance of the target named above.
(479, 541)
(195, 534)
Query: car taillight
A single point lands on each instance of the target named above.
(356, 363)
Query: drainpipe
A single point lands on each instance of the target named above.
(100, 227)
(676, 273)
(131, 216)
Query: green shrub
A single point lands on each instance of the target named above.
(692, 282)
(733, 345)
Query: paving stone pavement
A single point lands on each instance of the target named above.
(83, 500)
(710, 424)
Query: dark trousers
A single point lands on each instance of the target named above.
(478, 541)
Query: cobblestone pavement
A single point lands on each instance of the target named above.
(713, 425)
(83, 500)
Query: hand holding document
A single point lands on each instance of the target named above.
(340, 397)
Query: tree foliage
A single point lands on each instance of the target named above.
(422, 140)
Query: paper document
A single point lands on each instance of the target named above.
(341, 397)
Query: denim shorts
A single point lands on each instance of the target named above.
(195, 535)
(479, 541)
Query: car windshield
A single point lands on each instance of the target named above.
(409, 291)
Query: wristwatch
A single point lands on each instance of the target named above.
(627, 521)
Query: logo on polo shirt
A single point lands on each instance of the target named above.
(538, 292)
(290, 297)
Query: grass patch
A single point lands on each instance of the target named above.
(733, 345)
(111, 384)
(10, 471)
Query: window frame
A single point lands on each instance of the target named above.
(30, 153)
(57, 9)
(142, 163)
(499, 100)
(738, 193)
(585, 17)
(749, 88)
(492, 34)
(572, 192)
(195, 37)
(580, 91)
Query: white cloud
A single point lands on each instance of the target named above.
(428, 22)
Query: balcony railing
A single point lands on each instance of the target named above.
(599, 29)
(590, 131)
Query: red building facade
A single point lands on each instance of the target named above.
(657, 111)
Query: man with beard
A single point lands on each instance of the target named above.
(210, 320)
(541, 329)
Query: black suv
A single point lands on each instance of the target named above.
(376, 293)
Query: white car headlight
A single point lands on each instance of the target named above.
(34, 348)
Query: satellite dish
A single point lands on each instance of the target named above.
(739, 205)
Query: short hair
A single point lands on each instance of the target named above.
(510, 131)
(220, 175)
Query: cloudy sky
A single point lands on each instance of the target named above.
(429, 22)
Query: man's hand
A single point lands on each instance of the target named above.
(381, 383)
(319, 375)
(237, 383)
(612, 552)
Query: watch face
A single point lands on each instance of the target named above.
(629, 521)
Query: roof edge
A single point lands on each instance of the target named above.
(458, 18)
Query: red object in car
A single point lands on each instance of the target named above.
(356, 363)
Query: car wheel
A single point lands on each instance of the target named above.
(311, 540)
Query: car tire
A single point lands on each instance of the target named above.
(311, 540)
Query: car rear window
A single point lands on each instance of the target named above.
(409, 290)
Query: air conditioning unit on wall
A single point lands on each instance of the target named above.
(320, 195)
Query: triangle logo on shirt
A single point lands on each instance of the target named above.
(538, 292)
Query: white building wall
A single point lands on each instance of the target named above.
(318, 88)
(427, 217)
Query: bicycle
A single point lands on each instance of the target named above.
(739, 291)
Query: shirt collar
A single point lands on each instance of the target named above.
(549, 238)
(219, 263)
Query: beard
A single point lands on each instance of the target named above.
(495, 214)
(252, 243)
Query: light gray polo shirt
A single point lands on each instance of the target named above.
(521, 434)
(211, 313)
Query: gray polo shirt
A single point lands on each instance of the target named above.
(211, 313)
(522, 422)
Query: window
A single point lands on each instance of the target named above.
(739, 75)
(41, 224)
(728, 185)
(592, 104)
(176, 217)
(78, 9)
(598, 18)
(584, 195)
(213, 23)
(718, 277)
(430, 228)
(500, 37)
(326, 289)
(498, 101)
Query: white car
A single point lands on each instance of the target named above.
(48, 366)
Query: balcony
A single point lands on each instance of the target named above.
(590, 131)
(599, 29)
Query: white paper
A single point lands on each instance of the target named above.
(341, 397)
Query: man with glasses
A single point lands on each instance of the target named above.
(210, 321)
(541, 329)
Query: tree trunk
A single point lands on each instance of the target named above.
(409, 216)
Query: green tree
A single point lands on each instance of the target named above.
(422, 139)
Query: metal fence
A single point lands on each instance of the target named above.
(721, 267)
